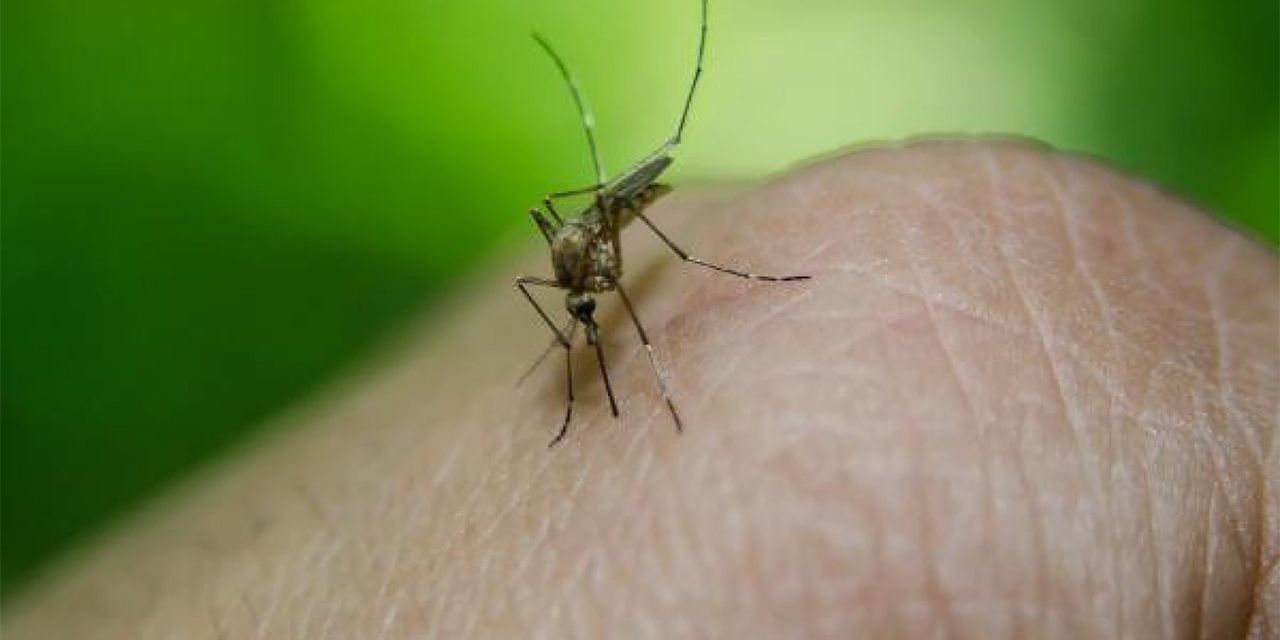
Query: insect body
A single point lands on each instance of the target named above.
(586, 252)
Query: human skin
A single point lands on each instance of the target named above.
(1023, 396)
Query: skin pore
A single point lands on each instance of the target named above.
(1023, 396)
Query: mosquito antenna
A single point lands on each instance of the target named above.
(584, 109)
(697, 74)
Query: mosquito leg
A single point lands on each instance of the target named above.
(653, 360)
(684, 255)
(545, 226)
(594, 339)
(576, 192)
(568, 370)
(551, 208)
(555, 342)
(527, 280)
(548, 200)
(564, 340)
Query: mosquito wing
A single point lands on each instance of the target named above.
(643, 174)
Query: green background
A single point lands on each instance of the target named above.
(211, 206)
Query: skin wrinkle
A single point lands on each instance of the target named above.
(692, 538)
(562, 520)
(1122, 504)
(215, 622)
(833, 543)
(1044, 326)
(871, 544)
(388, 577)
(208, 602)
(575, 529)
(917, 482)
(1036, 520)
(597, 529)
(609, 527)
(972, 414)
(452, 539)
(748, 548)
(1218, 485)
(1113, 393)
(992, 168)
(735, 366)
(727, 372)
(253, 616)
(1071, 216)
(305, 619)
(265, 618)
(1206, 561)
(1154, 543)
(389, 620)
(878, 535)
(1136, 247)
(1266, 604)
(1219, 265)
(1210, 439)
(1099, 471)
(333, 592)
(1262, 617)
(386, 580)
(1238, 535)
(985, 459)
(948, 595)
(634, 563)
(752, 553)
(967, 313)
(472, 543)
(816, 522)
(1202, 542)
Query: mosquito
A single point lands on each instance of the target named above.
(586, 250)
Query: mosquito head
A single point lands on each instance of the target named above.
(581, 306)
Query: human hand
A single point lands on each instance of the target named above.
(1022, 397)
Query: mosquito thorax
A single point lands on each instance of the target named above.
(585, 257)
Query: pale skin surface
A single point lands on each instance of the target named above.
(1022, 397)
